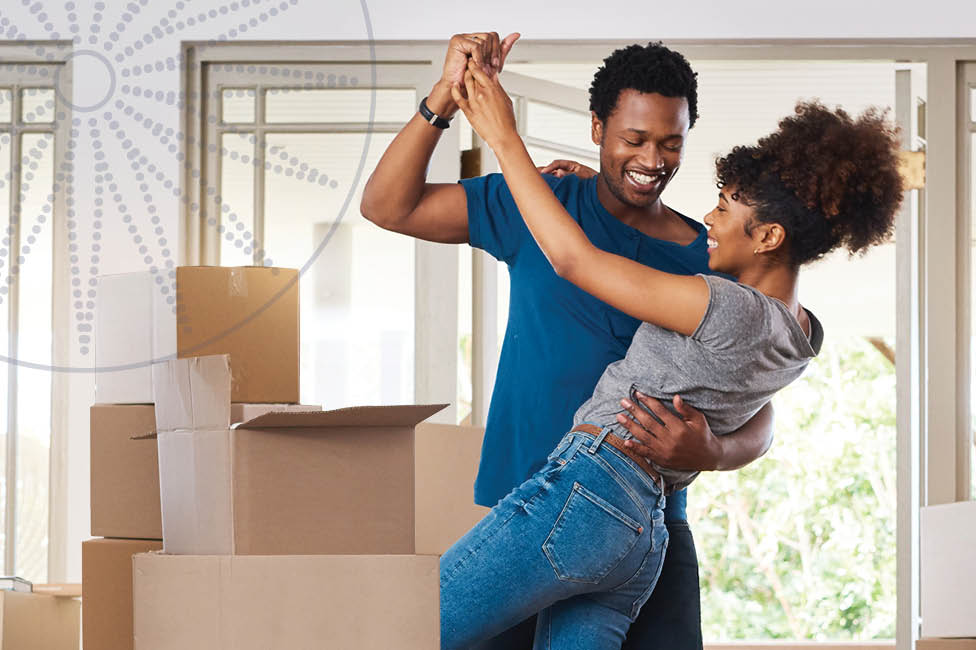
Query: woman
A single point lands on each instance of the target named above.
(582, 541)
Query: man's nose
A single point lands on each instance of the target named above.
(650, 156)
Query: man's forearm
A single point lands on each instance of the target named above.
(396, 185)
(748, 443)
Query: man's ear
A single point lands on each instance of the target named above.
(596, 129)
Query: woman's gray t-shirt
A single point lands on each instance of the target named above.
(747, 346)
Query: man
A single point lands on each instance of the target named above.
(559, 340)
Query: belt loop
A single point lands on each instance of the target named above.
(599, 440)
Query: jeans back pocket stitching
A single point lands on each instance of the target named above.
(622, 482)
(611, 509)
(559, 519)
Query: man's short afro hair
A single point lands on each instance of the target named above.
(650, 68)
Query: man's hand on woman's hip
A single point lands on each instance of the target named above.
(683, 441)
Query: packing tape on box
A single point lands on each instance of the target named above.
(237, 284)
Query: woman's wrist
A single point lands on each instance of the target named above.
(508, 146)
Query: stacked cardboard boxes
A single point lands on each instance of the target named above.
(293, 509)
(138, 321)
(280, 527)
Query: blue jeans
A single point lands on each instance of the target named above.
(671, 617)
(581, 543)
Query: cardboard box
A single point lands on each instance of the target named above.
(135, 323)
(106, 576)
(124, 474)
(446, 467)
(245, 412)
(286, 603)
(328, 482)
(38, 621)
(250, 313)
(947, 582)
(945, 644)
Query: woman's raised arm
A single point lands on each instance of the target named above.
(676, 302)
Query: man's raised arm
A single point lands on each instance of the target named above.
(397, 195)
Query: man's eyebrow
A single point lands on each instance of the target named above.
(642, 132)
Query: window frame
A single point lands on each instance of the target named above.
(934, 291)
(56, 56)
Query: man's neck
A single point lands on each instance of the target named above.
(655, 220)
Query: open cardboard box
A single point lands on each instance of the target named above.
(329, 482)
(125, 476)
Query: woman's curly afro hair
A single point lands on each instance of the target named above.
(829, 179)
(650, 68)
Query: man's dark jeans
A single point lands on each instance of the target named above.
(670, 619)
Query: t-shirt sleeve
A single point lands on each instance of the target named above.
(494, 222)
(735, 314)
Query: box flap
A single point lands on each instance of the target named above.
(406, 415)
(195, 491)
(192, 393)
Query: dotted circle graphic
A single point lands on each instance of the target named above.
(127, 180)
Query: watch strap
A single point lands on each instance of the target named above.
(431, 117)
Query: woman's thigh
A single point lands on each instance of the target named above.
(570, 529)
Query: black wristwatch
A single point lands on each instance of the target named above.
(433, 118)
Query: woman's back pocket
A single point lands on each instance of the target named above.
(590, 537)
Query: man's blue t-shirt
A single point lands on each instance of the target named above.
(559, 339)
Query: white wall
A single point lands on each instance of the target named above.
(345, 20)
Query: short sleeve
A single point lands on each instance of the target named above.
(735, 314)
(494, 222)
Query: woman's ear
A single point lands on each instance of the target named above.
(771, 236)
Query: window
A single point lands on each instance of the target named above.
(32, 124)
(291, 147)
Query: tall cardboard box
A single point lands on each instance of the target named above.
(947, 581)
(446, 467)
(124, 474)
(106, 574)
(250, 313)
(38, 622)
(946, 644)
(307, 602)
(328, 482)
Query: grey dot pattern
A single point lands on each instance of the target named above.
(127, 179)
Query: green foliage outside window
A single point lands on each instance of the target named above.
(801, 544)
